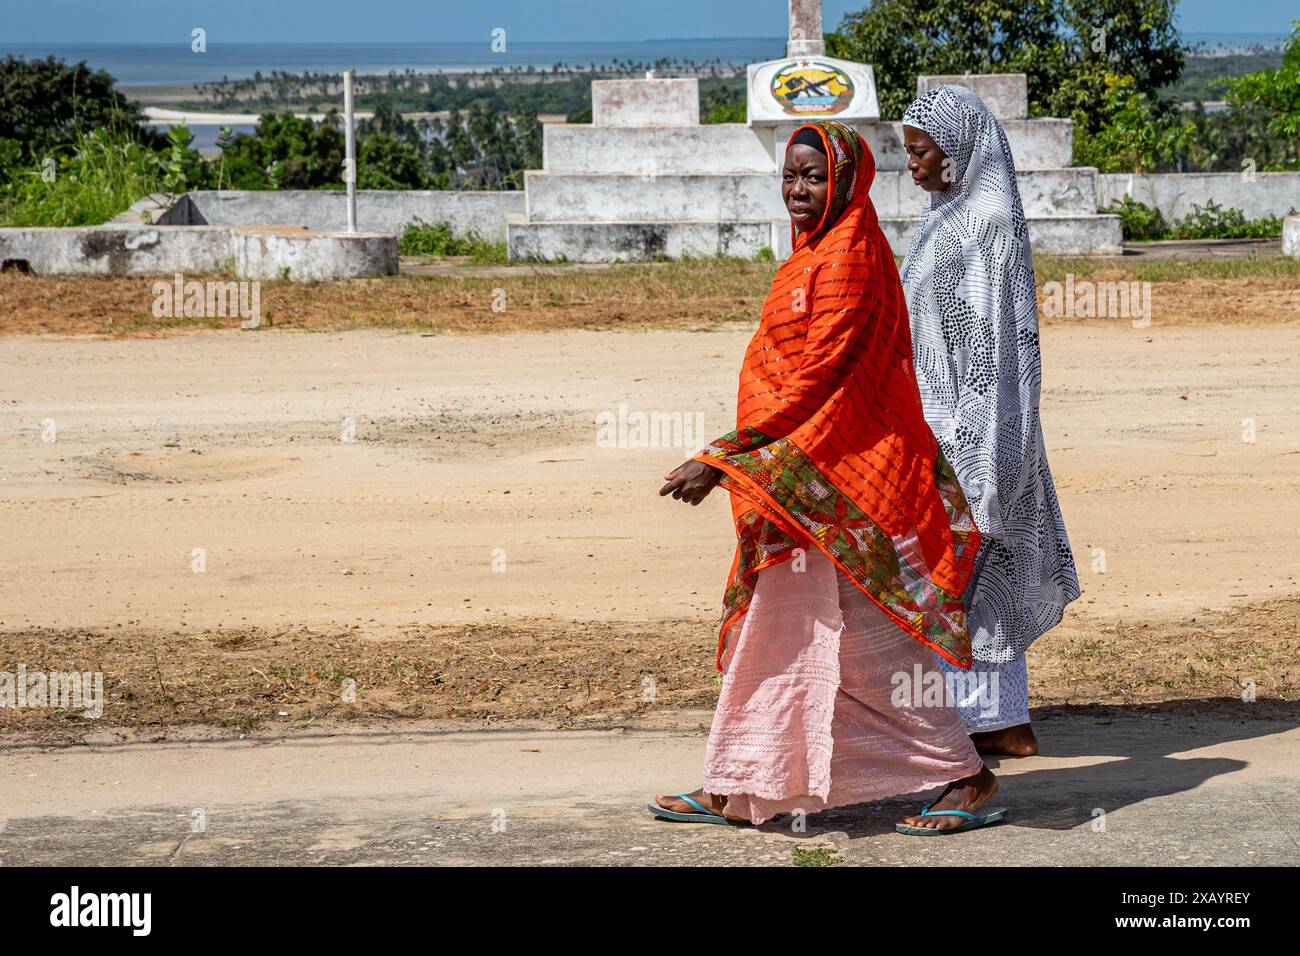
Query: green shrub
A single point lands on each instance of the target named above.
(1141, 222)
(422, 238)
(1212, 221)
(86, 184)
(1138, 220)
(726, 113)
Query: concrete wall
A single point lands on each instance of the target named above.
(1055, 235)
(736, 148)
(654, 102)
(1269, 194)
(1005, 94)
(736, 197)
(639, 241)
(1291, 237)
(247, 252)
(378, 210)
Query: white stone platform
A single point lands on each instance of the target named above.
(621, 189)
(247, 252)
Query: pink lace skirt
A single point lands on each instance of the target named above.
(808, 717)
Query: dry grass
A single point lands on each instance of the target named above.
(1213, 655)
(664, 295)
(695, 294)
(567, 671)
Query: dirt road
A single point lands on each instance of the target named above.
(238, 530)
(230, 524)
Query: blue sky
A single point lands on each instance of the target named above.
(284, 21)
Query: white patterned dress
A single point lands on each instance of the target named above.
(969, 279)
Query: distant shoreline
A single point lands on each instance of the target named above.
(144, 68)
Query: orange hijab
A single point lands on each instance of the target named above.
(831, 449)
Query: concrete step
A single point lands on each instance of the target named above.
(1043, 192)
(713, 148)
(563, 197)
(737, 148)
(598, 241)
(1005, 94)
(609, 197)
(637, 241)
(1035, 143)
(1093, 235)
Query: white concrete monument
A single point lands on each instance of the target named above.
(646, 179)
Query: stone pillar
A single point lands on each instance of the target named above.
(806, 29)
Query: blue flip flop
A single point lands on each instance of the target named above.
(972, 821)
(704, 816)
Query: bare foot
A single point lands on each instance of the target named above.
(713, 802)
(1018, 741)
(968, 794)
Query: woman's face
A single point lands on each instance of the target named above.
(804, 185)
(927, 163)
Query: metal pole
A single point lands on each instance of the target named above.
(350, 162)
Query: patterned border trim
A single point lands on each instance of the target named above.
(793, 503)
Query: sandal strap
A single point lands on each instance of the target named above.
(926, 812)
(705, 810)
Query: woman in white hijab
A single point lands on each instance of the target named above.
(969, 279)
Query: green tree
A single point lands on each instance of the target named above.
(286, 152)
(1066, 49)
(385, 163)
(46, 104)
(1275, 94)
(1136, 135)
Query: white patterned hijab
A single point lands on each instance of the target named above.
(969, 280)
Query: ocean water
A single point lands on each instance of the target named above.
(172, 63)
(1232, 41)
(175, 63)
(204, 136)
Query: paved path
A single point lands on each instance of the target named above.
(1175, 789)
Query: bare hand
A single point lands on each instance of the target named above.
(691, 481)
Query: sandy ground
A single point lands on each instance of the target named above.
(199, 530)
(475, 554)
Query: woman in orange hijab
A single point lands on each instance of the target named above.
(854, 540)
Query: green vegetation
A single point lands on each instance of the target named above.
(1059, 44)
(1275, 94)
(1055, 268)
(724, 103)
(1206, 78)
(1138, 221)
(46, 105)
(437, 239)
(1134, 133)
(73, 150)
(92, 180)
(815, 856)
(564, 89)
(1112, 66)
(1211, 221)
